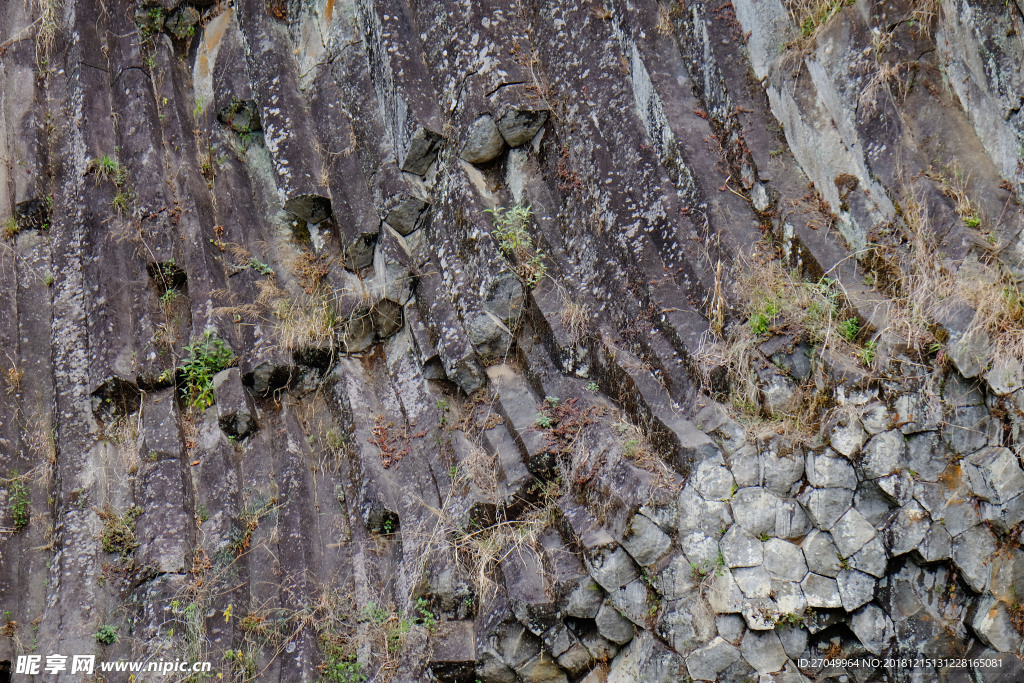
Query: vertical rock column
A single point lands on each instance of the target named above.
(283, 113)
(400, 77)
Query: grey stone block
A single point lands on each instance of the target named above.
(972, 552)
(821, 591)
(993, 625)
(871, 559)
(884, 454)
(907, 529)
(518, 126)
(852, 532)
(826, 470)
(740, 548)
(753, 508)
(848, 436)
(645, 541)
(855, 588)
(753, 582)
(763, 650)
(826, 506)
(994, 474)
(613, 626)
(791, 521)
(821, 553)
(706, 663)
(484, 141)
(784, 560)
(873, 628)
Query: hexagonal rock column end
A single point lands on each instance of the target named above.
(421, 151)
(518, 126)
(484, 142)
(312, 208)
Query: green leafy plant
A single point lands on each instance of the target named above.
(790, 620)
(849, 329)
(260, 267)
(761, 321)
(339, 667)
(390, 625)
(242, 662)
(107, 635)
(545, 421)
(442, 406)
(426, 617)
(511, 230)
(169, 297)
(207, 356)
(18, 499)
(121, 203)
(867, 354)
(810, 15)
(732, 492)
(107, 168)
(10, 228)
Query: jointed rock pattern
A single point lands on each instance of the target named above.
(627, 340)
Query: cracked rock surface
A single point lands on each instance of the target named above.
(629, 340)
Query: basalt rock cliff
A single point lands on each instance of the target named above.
(513, 340)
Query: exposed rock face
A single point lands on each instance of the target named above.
(621, 341)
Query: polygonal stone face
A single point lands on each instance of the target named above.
(852, 532)
(518, 126)
(855, 588)
(763, 651)
(993, 625)
(707, 662)
(848, 438)
(821, 591)
(613, 626)
(826, 470)
(421, 151)
(826, 506)
(740, 548)
(754, 582)
(972, 553)
(309, 207)
(405, 217)
(994, 474)
(883, 455)
(645, 541)
(754, 509)
(784, 560)
(821, 553)
(873, 628)
(484, 142)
